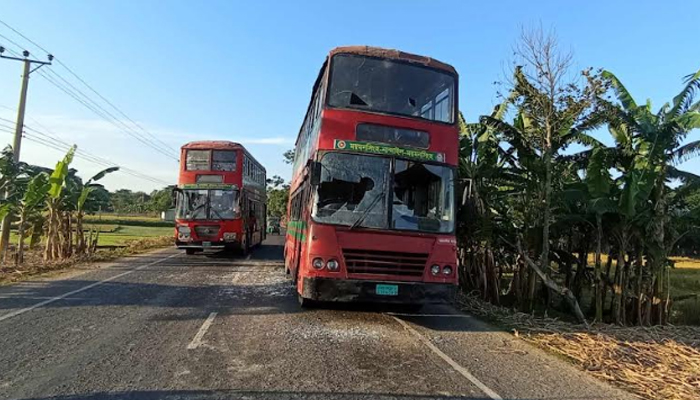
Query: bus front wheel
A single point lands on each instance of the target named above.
(304, 302)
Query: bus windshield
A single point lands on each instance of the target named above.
(354, 191)
(391, 87)
(207, 204)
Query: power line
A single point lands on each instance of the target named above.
(83, 154)
(103, 163)
(149, 142)
(104, 114)
(149, 139)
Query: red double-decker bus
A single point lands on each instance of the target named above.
(372, 205)
(220, 198)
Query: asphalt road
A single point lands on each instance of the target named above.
(170, 326)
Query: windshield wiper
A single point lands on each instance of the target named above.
(370, 208)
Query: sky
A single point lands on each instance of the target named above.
(243, 71)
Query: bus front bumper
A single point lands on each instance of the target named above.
(201, 245)
(348, 290)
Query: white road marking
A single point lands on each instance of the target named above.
(82, 289)
(429, 315)
(197, 341)
(463, 371)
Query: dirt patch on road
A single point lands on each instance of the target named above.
(655, 363)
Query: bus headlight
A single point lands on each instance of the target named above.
(447, 270)
(317, 263)
(229, 236)
(435, 270)
(332, 265)
(183, 233)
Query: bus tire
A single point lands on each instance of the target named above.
(244, 250)
(304, 302)
(190, 252)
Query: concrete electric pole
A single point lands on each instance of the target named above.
(17, 143)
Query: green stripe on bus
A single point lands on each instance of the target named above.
(297, 229)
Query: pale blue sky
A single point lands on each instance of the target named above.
(243, 70)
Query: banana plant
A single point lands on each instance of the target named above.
(650, 146)
(83, 197)
(54, 247)
(30, 205)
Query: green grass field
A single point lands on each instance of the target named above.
(119, 230)
(114, 235)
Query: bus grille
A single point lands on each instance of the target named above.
(385, 262)
(207, 231)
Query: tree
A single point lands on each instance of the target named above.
(650, 144)
(29, 208)
(288, 156)
(554, 110)
(81, 204)
(55, 248)
(161, 200)
(277, 197)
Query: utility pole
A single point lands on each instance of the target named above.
(17, 144)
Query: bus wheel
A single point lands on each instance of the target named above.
(304, 302)
(244, 250)
(190, 252)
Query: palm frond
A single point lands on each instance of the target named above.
(683, 176)
(620, 91)
(683, 101)
(584, 139)
(686, 152)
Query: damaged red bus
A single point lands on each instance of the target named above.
(221, 199)
(371, 213)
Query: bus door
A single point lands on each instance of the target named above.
(298, 226)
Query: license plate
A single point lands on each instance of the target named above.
(387, 290)
(206, 244)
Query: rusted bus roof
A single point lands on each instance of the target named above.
(212, 144)
(219, 145)
(393, 55)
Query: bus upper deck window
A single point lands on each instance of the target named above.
(198, 160)
(223, 160)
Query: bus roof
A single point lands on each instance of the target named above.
(393, 55)
(212, 144)
(219, 145)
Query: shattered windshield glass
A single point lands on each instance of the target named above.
(207, 204)
(423, 197)
(391, 87)
(352, 192)
(352, 189)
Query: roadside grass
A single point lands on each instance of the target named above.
(655, 363)
(126, 236)
(129, 220)
(35, 267)
(119, 235)
(116, 235)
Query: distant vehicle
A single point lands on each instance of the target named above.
(371, 214)
(273, 225)
(221, 202)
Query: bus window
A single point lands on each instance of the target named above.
(223, 160)
(197, 160)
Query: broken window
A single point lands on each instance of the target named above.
(391, 87)
(423, 197)
(353, 190)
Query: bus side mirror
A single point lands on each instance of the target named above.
(315, 173)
